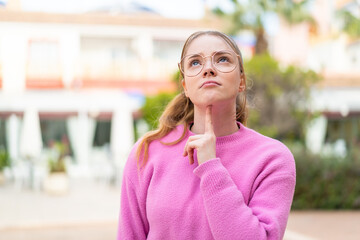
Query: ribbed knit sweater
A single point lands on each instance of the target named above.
(244, 193)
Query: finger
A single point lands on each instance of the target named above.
(191, 156)
(195, 137)
(188, 148)
(208, 120)
(185, 151)
(190, 139)
(189, 151)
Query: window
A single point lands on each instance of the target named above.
(347, 129)
(54, 130)
(102, 133)
(2, 133)
(168, 50)
(166, 57)
(107, 60)
(43, 65)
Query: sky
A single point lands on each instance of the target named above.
(191, 9)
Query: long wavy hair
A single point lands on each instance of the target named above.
(181, 110)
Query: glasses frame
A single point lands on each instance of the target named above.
(212, 62)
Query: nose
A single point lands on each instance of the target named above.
(209, 69)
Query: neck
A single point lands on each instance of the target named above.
(223, 118)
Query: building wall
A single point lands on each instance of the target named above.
(79, 73)
(335, 56)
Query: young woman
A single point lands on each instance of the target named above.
(203, 174)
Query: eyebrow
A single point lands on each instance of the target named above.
(193, 55)
(202, 54)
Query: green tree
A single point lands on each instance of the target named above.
(278, 97)
(155, 105)
(249, 16)
(293, 12)
(350, 23)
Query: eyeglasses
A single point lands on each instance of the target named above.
(223, 61)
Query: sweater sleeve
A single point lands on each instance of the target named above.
(133, 223)
(230, 217)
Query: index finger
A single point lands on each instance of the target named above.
(208, 120)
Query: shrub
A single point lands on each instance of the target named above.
(276, 93)
(4, 159)
(154, 106)
(56, 162)
(326, 183)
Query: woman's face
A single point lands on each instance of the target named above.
(211, 86)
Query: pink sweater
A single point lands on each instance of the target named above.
(244, 193)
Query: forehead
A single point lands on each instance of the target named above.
(207, 44)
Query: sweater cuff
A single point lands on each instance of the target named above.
(206, 167)
(214, 177)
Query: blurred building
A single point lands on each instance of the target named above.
(335, 55)
(80, 79)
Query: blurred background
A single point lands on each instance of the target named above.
(81, 81)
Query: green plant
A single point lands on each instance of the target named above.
(326, 182)
(57, 160)
(154, 106)
(275, 94)
(4, 159)
(57, 165)
(350, 23)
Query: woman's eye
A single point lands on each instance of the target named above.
(223, 59)
(194, 63)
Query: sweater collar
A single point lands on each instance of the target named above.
(228, 138)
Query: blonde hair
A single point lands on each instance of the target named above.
(181, 110)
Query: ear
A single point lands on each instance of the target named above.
(242, 85)
(184, 86)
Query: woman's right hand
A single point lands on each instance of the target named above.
(205, 144)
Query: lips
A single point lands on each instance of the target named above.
(210, 83)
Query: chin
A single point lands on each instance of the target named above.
(215, 101)
(212, 98)
(206, 102)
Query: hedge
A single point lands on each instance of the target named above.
(326, 182)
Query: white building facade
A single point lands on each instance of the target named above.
(80, 80)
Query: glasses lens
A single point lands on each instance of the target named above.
(192, 64)
(224, 61)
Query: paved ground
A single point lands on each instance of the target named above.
(90, 210)
(327, 225)
(100, 231)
